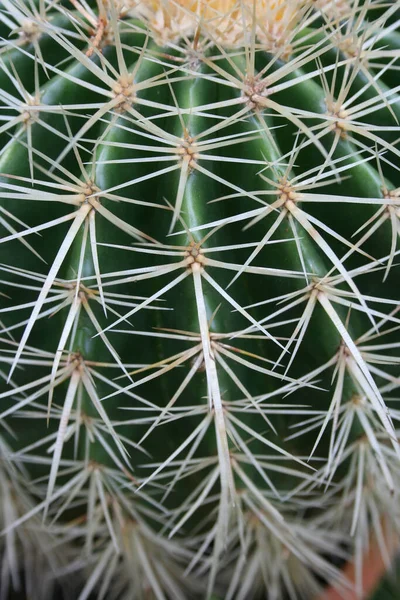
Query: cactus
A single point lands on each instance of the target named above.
(199, 214)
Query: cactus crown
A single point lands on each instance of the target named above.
(228, 22)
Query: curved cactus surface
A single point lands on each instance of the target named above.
(199, 321)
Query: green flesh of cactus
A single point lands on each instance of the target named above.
(199, 301)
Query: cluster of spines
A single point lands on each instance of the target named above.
(244, 520)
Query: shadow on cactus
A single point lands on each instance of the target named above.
(199, 214)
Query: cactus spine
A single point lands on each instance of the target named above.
(199, 212)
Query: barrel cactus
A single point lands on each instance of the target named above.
(199, 214)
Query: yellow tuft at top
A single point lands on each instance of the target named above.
(226, 22)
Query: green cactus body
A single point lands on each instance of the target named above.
(199, 211)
